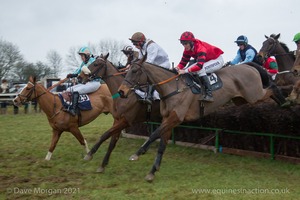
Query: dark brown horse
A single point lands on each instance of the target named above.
(126, 113)
(241, 84)
(285, 59)
(59, 120)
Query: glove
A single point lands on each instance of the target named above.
(71, 75)
(260, 59)
(227, 64)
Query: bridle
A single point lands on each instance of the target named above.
(134, 86)
(32, 90)
(94, 74)
(273, 48)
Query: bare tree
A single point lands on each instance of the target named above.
(55, 62)
(73, 60)
(112, 47)
(9, 56)
(24, 70)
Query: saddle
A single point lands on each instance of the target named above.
(84, 102)
(193, 81)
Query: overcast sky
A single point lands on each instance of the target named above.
(38, 26)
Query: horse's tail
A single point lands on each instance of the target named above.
(265, 76)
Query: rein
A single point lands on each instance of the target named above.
(166, 81)
(177, 91)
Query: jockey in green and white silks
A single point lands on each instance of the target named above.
(90, 86)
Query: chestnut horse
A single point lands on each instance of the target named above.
(59, 120)
(241, 83)
(126, 113)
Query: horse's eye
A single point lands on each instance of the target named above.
(134, 70)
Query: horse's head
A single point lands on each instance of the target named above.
(27, 93)
(296, 67)
(135, 78)
(269, 46)
(97, 68)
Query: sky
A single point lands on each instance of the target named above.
(38, 26)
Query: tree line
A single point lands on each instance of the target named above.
(14, 67)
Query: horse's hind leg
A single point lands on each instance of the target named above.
(77, 134)
(144, 148)
(55, 137)
(112, 145)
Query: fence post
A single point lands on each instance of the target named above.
(272, 147)
(217, 140)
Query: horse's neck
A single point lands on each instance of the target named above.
(283, 58)
(297, 61)
(113, 82)
(47, 101)
(157, 75)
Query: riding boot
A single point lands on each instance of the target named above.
(207, 88)
(74, 108)
(148, 98)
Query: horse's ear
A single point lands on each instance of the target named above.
(277, 36)
(34, 79)
(106, 56)
(266, 37)
(30, 79)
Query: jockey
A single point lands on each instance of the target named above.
(208, 59)
(87, 58)
(297, 40)
(130, 54)
(270, 64)
(155, 55)
(245, 53)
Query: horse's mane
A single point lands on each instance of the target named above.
(172, 71)
(102, 57)
(283, 45)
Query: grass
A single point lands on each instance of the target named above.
(186, 173)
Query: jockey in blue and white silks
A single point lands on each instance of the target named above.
(90, 86)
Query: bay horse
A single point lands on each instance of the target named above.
(285, 59)
(126, 112)
(241, 84)
(59, 120)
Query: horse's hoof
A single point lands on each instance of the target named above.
(149, 178)
(100, 170)
(134, 157)
(88, 157)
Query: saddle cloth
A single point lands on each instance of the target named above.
(84, 102)
(193, 81)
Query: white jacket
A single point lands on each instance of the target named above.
(155, 54)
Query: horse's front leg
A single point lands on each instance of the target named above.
(55, 137)
(165, 130)
(115, 129)
(144, 148)
(112, 145)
